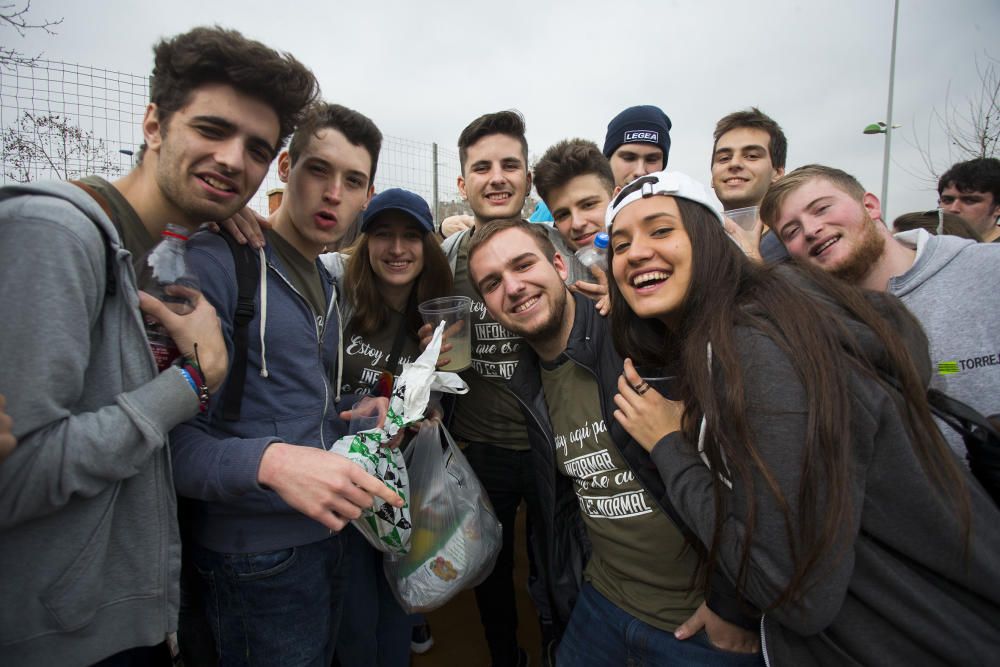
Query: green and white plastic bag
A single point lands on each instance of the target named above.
(388, 528)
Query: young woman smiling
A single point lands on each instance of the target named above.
(395, 264)
(830, 499)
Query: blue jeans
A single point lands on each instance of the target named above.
(374, 630)
(600, 634)
(275, 608)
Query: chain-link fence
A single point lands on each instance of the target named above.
(62, 120)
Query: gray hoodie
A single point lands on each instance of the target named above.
(952, 290)
(89, 548)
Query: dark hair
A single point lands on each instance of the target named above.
(953, 224)
(215, 55)
(356, 127)
(808, 315)
(510, 123)
(770, 205)
(568, 159)
(484, 232)
(979, 175)
(755, 119)
(371, 312)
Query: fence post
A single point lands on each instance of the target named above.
(437, 212)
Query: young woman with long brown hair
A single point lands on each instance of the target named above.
(830, 499)
(395, 264)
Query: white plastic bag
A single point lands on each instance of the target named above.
(455, 534)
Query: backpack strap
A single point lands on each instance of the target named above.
(962, 417)
(247, 277)
(111, 283)
(981, 437)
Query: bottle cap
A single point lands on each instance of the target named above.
(175, 231)
(601, 241)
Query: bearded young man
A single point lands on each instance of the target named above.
(825, 218)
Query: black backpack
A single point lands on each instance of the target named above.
(981, 436)
(982, 439)
(247, 277)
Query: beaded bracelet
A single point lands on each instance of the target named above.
(191, 370)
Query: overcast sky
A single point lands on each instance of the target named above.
(423, 70)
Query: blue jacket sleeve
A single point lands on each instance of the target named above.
(209, 463)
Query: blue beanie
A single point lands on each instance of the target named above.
(644, 124)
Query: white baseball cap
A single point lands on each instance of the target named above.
(670, 183)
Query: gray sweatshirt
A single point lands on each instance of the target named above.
(897, 588)
(89, 548)
(952, 289)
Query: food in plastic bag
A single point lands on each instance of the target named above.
(455, 534)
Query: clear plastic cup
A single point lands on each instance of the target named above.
(454, 312)
(365, 415)
(746, 218)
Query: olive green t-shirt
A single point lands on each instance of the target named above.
(302, 273)
(134, 235)
(640, 561)
(489, 412)
(365, 357)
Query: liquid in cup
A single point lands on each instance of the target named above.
(454, 312)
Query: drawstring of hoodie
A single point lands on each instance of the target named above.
(263, 311)
(340, 347)
(263, 326)
(703, 428)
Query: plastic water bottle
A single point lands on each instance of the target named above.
(166, 266)
(595, 255)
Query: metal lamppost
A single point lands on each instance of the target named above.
(887, 127)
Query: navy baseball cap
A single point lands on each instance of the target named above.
(644, 124)
(398, 199)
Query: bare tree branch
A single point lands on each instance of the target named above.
(13, 17)
(972, 130)
(18, 19)
(53, 145)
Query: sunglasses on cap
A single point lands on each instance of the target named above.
(644, 183)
